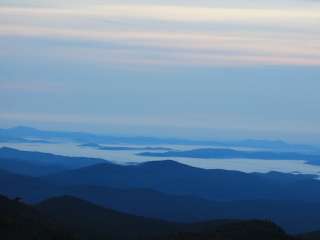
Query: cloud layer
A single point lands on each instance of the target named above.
(206, 64)
(169, 34)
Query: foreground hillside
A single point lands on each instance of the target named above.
(77, 219)
(311, 236)
(20, 221)
(92, 221)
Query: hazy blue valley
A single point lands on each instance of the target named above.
(159, 120)
(60, 173)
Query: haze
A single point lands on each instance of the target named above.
(205, 69)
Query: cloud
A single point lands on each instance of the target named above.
(29, 87)
(165, 48)
(170, 13)
(110, 25)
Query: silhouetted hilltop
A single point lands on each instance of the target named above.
(241, 230)
(94, 222)
(19, 221)
(90, 220)
(310, 236)
(68, 218)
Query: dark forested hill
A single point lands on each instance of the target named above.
(67, 218)
(91, 221)
(310, 236)
(19, 221)
(241, 230)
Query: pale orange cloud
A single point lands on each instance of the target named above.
(171, 13)
(154, 46)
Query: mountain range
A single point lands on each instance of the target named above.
(223, 153)
(124, 148)
(24, 134)
(172, 191)
(175, 178)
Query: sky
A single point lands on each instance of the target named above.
(201, 69)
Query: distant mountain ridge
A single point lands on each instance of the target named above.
(175, 178)
(38, 163)
(23, 133)
(124, 148)
(223, 153)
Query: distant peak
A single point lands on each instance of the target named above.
(23, 129)
(168, 163)
(264, 141)
(4, 148)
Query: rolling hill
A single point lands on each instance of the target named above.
(170, 207)
(39, 164)
(175, 192)
(179, 179)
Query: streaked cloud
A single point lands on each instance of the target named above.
(171, 13)
(176, 46)
(170, 48)
(29, 86)
(234, 64)
(214, 125)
